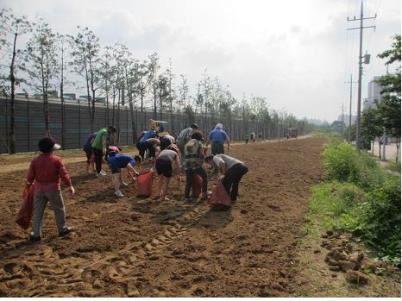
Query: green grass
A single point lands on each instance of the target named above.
(359, 197)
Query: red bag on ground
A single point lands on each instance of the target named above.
(24, 215)
(219, 197)
(197, 185)
(144, 184)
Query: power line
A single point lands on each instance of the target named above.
(366, 59)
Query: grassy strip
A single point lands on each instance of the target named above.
(359, 197)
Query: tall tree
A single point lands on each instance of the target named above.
(42, 60)
(153, 67)
(86, 61)
(62, 64)
(390, 106)
(11, 27)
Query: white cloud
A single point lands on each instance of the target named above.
(296, 53)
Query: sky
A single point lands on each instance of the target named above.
(297, 54)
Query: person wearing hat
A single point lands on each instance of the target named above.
(218, 137)
(99, 147)
(185, 136)
(116, 162)
(47, 171)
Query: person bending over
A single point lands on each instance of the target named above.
(99, 147)
(167, 162)
(118, 161)
(231, 171)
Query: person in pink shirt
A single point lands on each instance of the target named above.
(47, 171)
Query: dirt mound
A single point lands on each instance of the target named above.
(141, 247)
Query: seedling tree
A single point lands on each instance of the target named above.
(61, 66)
(42, 64)
(11, 27)
(86, 62)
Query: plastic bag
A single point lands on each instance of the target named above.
(197, 185)
(144, 184)
(219, 197)
(24, 215)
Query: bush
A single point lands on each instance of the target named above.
(343, 163)
(382, 219)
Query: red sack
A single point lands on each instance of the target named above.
(220, 197)
(197, 185)
(144, 184)
(24, 215)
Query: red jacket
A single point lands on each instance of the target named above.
(47, 170)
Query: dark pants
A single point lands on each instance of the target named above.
(189, 180)
(217, 148)
(232, 179)
(143, 146)
(98, 159)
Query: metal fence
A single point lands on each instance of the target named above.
(30, 125)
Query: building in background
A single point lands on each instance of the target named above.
(374, 93)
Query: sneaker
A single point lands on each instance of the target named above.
(124, 183)
(118, 194)
(101, 173)
(65, 231)
(33, 238)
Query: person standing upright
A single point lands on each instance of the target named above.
(99, 147)
(46, 172)
(218, 137)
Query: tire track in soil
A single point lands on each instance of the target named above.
(130, 270)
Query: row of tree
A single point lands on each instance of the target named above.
(48, 59)
(384, 119)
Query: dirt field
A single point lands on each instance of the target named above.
(136, 247)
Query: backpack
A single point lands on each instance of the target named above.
(191, 149)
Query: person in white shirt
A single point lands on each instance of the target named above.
(231, 171)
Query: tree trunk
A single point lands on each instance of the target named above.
(114, 105)
(155, 103)
(118, 115)
(11, 137)
(62, 98)
(89, 100)
(379, 148)
(398, 145)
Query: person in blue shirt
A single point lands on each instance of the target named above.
(118, 161)
(143, 144)
(218, 137)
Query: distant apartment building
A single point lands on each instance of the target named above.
(374, 94)
(345, 119)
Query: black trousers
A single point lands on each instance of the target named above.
(98, 159)
(189, 180)
(217, 148)
(232, 179)
(143, 146)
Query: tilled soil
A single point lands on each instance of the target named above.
(142, 247)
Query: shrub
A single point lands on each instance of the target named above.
(382, 219)
(343, 163)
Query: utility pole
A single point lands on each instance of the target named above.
(351, 82)
(343, 120)
(359, 91)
